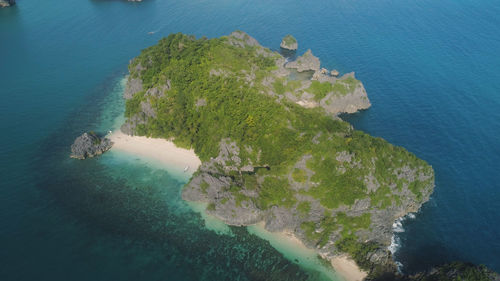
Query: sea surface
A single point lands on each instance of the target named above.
(431, 70)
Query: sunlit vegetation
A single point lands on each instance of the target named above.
(280, 133)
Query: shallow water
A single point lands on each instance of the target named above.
(430, 69)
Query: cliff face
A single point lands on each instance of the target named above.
(272, 146)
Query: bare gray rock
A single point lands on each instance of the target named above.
(147, 109)
(201, 102)
(159, 91)
(89, 145)
(241, 39)
(129, 127)
(306, 62)
(279, 219)
(134, 85)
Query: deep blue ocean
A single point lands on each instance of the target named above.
(431, 70)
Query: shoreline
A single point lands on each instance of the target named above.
(163, 151)
(342, 266)
(178, 159)
(347, 268)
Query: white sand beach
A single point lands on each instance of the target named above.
(166, 153)
(348, 269)
(287, 243)
(160, 150)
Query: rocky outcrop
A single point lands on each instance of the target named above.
(89, 145)
(306, 62)
(134, 82)
(289, 43)
(134, 86)
(216, 181)
(454, 271)
(241, 39)
(7, 3)
(140, 118)
(355, 100)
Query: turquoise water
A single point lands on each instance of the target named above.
(431, 69)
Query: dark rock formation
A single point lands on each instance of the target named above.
(89, 145)
(7, 3)
(455, 271)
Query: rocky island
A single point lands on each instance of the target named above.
(289, 43)
(7, 3)
(272, 146)
(89, 145)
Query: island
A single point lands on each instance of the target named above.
(263, 144)
(89, 145)
(272, 147)
(289, 43)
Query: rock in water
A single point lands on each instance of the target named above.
(89, 145)
(289, 43)
(7, 3)
(306, 62)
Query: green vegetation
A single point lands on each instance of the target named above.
(340, 87)
(319, 90)
(358, 251)
(281, 86)
(204, 186)
(346, 225)
(279, 133)
(299, 175)
(275, 191)
(211, 207)
(289, 40)
(304, 207)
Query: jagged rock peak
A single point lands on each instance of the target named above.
(89, 145)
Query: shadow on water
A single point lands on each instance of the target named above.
(290, 55)
(140, 205)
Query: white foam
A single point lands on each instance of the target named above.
(395, 244)
(397, 227)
